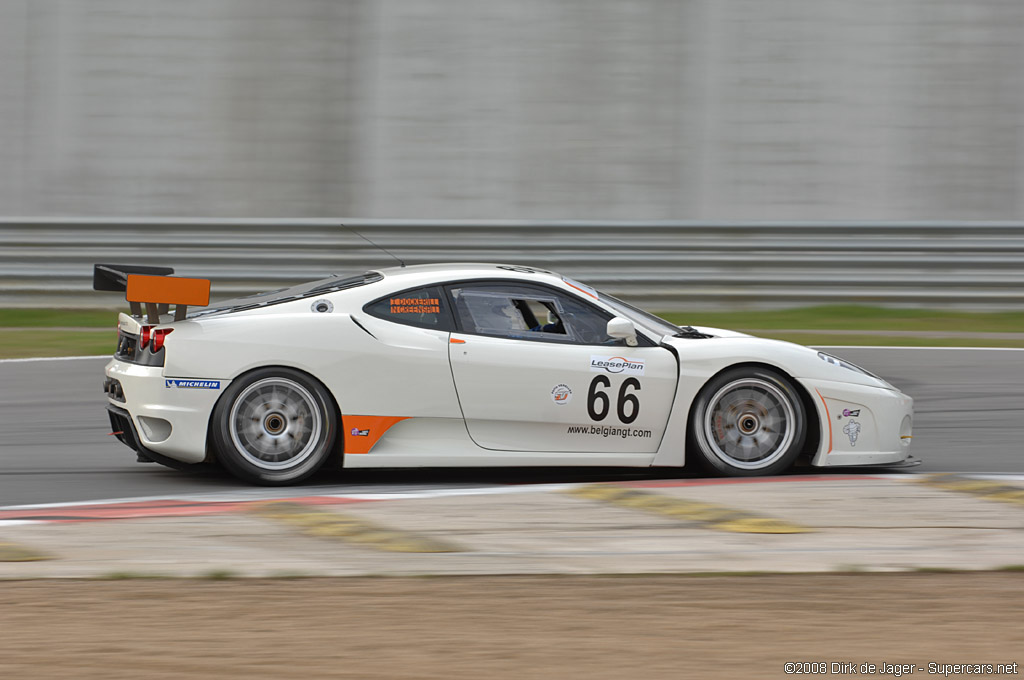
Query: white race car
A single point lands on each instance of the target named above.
(472, 365)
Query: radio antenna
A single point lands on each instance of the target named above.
(389, 253)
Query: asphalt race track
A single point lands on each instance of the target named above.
(54, 445)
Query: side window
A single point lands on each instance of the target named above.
(421, 307)
(528, 313)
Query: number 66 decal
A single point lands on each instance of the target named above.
(596, 397)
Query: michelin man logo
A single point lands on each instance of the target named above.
(852, 429)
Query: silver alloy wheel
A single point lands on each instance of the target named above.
(275, 423)
(749, 423)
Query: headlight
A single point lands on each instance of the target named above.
(836, 361)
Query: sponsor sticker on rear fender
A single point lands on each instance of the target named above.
(616, 365)
(180, 384)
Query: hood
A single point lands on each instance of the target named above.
(721, 332)
(729, 347)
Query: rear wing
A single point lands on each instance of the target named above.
(153, 287)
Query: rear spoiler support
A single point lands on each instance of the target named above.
(153, 287)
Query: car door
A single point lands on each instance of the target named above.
(535, 370)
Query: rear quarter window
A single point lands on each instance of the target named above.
(420, 307)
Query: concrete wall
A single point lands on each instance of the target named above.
(613, 109)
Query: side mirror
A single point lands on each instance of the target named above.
(622, 329)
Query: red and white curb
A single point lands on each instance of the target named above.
(217, 504)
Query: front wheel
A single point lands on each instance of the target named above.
(748, 422)
(274, 426)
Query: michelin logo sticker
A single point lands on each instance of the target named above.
(617, 365)
(192, 384)
(852, 430)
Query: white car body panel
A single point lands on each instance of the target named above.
(702, 359)
(507, 389)
(488, 401)
(867, 428)
(400, 371)
(187, 410)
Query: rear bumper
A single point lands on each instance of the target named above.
(123, 428)
(165, 417)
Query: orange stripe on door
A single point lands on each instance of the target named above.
(362, 432)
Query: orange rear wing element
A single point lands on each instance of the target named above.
(159, 292)
(152, 287)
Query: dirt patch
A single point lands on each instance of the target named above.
(506, 627)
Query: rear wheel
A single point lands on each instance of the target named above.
(274, 426)
(748, 422)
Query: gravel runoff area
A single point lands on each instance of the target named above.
(665, 626)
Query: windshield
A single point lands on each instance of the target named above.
(638, 316)
(329, 285)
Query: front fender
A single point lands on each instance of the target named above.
(702, 359)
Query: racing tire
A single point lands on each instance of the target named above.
(747, 422)
(274, 426)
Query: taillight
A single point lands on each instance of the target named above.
(158, 338)
(146, 330)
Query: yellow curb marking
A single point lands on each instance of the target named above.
(12, 552)
(717, 517)
(321, 523)
(993, 491)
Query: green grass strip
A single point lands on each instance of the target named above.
(822, 340)
(41, 318)
(856, 318)
(826, 317)
(23, 332)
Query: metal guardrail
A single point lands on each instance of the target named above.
(662, 265)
